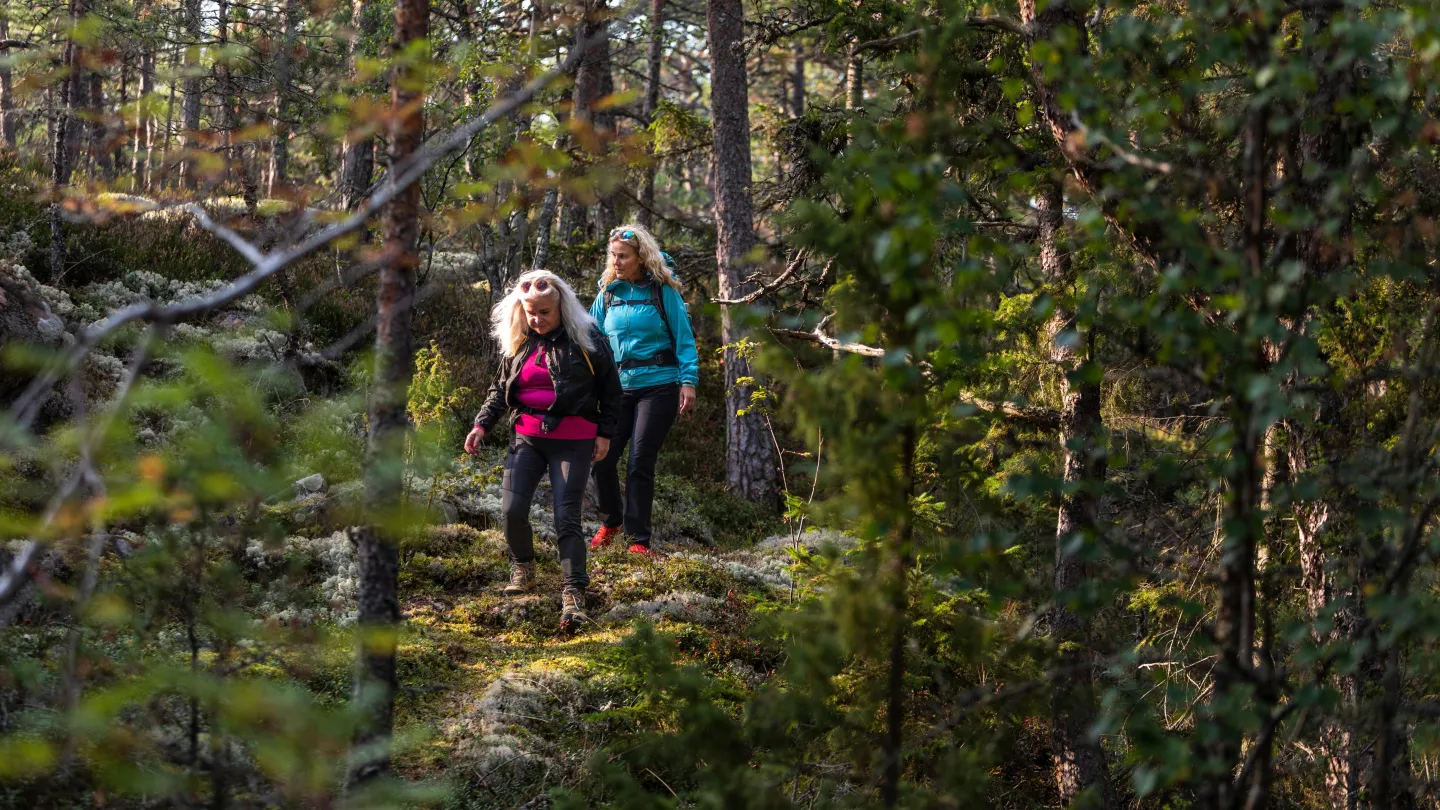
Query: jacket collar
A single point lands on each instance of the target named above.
(615, 285)
(552, 338)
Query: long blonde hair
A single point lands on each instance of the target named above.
(508, 316)
(645, 243)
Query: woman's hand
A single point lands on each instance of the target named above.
(472, 442)
(687, 398)
(602, 448)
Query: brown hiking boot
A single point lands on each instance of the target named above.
(572, 609)
(522, 577)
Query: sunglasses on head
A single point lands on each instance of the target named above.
(540, 284)
(628, 236)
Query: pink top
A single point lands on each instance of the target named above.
(536, 391)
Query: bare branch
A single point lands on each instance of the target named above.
(886, 42)
(1037, 417)
(996, 22)
(780, 281)
(825, 340)
(1161, 166)
(1043, 418)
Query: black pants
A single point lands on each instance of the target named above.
(568, 463)
(646, 415)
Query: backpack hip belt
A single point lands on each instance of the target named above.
(664, 357)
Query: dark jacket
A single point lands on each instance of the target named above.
(579, 391)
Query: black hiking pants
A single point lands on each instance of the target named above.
(568, 463)
(646, 416)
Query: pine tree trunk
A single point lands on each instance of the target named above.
(132, 139)
(854, 79)
(222, 89)
(165, 162)
(542, 225)
(190, 109)
(357, 167)
(652, 104)
(95, 109)
(575, 225)
(607, 210)
(282, 109)
(7, 91)
(377, 544)
(144, 122)
(1079, 760)
(750, 456)
(62, 151)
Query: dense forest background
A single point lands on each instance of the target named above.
(1067, 436)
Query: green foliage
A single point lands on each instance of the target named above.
(435, 399)
(676, 128)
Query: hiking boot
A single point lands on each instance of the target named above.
(639, 548)
(603, 537)
(572, 609)
(522, 577)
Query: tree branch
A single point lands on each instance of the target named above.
(780, 280)
(1042, 418)
(401, 176)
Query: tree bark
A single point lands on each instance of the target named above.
(652, 104)
(87, 126)
(542, 225)
(144, 122)
(62, 149)
(95, 109)
(165, 162)
(358, 159)
(229, 121)
(590, 77)
(7, 92)
(378, 543)
(749, 457)
(1079, 760)
(854, 79)
(607, 208)
(282, 109)
(190, 109)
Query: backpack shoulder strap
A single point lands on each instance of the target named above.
(657, 299)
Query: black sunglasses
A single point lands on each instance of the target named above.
(541, 284)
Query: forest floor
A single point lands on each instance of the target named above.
(503, 705)
(501, 701)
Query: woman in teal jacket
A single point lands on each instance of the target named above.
(642, 312)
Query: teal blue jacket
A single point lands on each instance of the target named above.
(635, 332)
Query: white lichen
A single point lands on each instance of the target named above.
(683, 606)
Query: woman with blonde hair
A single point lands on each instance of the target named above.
(559, 378)
(641, 311)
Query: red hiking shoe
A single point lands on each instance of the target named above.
(603, 537)
(636, 548)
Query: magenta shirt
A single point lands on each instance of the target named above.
(538, 392)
